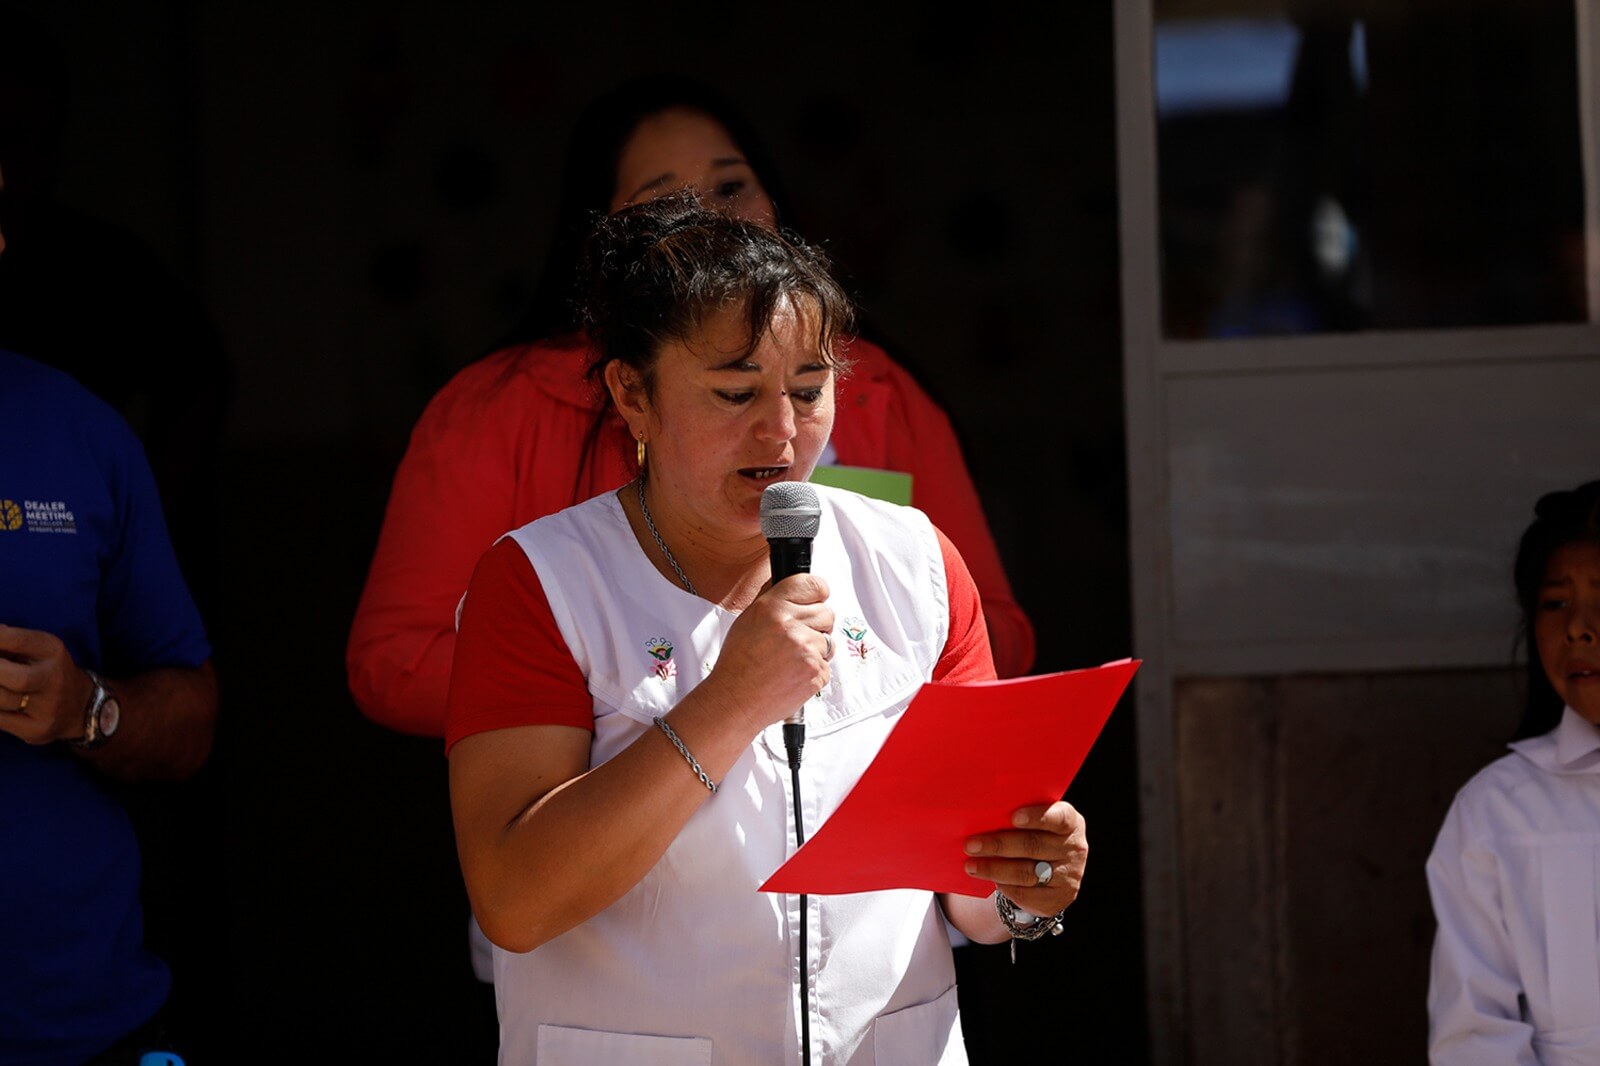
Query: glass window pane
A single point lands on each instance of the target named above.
(1367, 164)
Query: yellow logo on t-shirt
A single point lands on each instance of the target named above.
(37, 516)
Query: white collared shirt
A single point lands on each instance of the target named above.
(1513, 875)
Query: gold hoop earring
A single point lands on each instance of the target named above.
(639, 453)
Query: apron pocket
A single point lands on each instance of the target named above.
(563, 1046)
(928, 1034)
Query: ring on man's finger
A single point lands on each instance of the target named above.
(1043, 871)
(827, 656)
(23, 705)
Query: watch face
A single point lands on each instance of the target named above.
(110, 716)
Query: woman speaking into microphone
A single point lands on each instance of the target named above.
(617, 770)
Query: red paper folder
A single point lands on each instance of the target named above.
(960, 761)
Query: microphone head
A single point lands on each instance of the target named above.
(789, 510)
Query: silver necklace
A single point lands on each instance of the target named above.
(650, 524)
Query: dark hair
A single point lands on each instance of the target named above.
(653, 271)
(1562, 518)
(590, 177)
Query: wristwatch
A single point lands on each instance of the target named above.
(101, 715)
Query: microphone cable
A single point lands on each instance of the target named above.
(794, 742)
(790, 516)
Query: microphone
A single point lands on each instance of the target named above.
(790, 515)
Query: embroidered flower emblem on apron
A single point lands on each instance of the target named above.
(855, 632)
(660, 649)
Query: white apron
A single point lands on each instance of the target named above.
(693, 965)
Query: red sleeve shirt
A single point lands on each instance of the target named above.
(512, 438)
(512, 667)
(966, 655)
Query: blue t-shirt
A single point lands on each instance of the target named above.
(84, 555)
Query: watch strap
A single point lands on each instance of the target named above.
(93, 737)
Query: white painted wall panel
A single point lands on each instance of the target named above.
(1337, 520)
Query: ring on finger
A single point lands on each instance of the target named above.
(1043, 871)
(827, 656)
(23, 704)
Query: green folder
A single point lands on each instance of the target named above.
(889, 485)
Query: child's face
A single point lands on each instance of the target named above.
(1567, 626)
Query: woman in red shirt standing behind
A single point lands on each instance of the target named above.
(522, 434)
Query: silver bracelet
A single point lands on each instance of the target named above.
(693, 763)
(1031, 930)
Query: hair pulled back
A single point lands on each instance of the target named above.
(1561, 518)
(653, 272)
